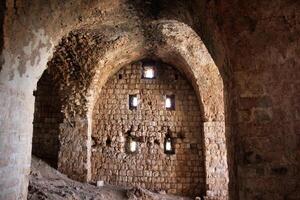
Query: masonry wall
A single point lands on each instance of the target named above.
(266, 74)
(47, 117)
(261, 61)
(180, 173)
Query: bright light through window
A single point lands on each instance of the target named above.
(168, 103)
(135, 101)
(168, 145)
(133, 146)
(148, 72)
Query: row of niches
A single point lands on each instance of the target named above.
(169, 103)
(132, 143)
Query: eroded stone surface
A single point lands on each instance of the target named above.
(180, 173)
(79, 72)
(47, 183)
(254, 44)
(42, 25)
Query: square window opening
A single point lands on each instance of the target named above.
(131, 145)
(170, 102)
(169, 147)
(133, 102)
(149, 71)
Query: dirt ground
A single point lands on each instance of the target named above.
(47, 183)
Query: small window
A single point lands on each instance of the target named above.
(131, 145)
(149, 70)
(133, 102)
(176, 77)
(168, 145)
(170, 102)
(108, 142)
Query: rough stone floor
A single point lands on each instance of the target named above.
(47, 183)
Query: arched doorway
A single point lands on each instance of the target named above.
(47, 118)
(81, 68)
(25, 60)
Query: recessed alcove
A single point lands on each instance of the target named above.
(147, 148)
(112, 115)
(97, 122)
(47, 117)
(245, 73)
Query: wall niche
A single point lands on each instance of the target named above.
(151, 126)
(47, 118)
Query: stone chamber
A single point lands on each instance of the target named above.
(220, 118)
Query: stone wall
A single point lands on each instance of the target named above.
(47, 117)
(216, 160)
(181, 173)
(79, 78)
(264, 54)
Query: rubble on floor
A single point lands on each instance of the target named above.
(47, 183)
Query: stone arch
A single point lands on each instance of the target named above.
(86, 58)
(24, 66)
(186, 54)
(180, 46)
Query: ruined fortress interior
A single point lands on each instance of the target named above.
(150, 99)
